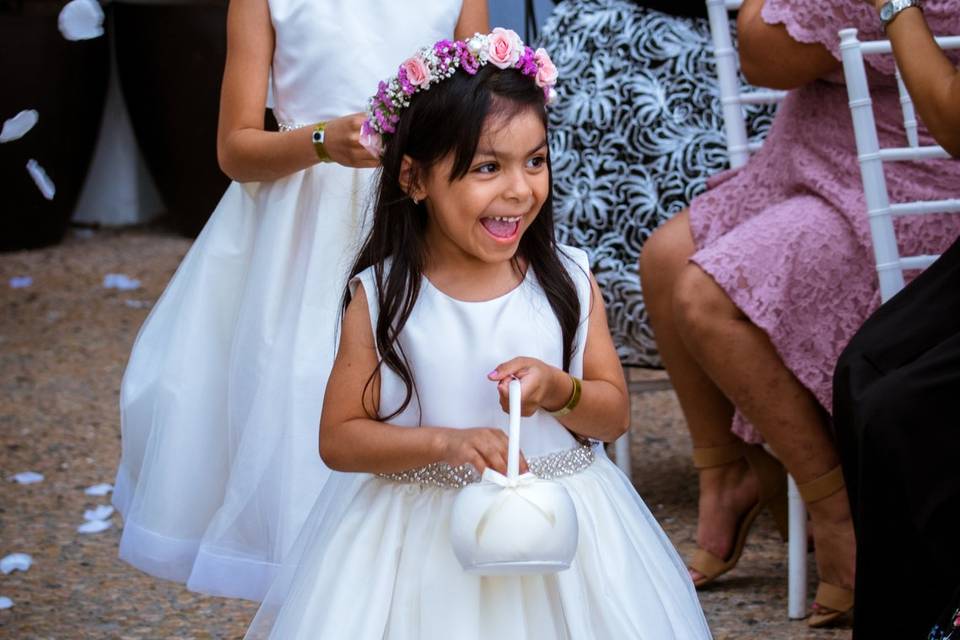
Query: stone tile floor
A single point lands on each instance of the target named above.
(64, 341)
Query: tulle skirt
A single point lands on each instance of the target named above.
(221, 398)
(375, 561)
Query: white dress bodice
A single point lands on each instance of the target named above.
(314, 78)
(452, 345)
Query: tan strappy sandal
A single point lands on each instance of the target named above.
(772, 480)
(833, 602)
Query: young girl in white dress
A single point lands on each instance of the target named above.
(221, 398)
(459, 288)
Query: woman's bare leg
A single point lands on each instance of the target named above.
(740, 359)
(726, 492)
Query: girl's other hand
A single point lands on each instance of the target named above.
(342, 142)
(480, 447)
(541, 386)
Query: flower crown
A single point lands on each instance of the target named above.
(430, 65)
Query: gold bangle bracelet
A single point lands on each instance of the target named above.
(572, 402)
(319, 137)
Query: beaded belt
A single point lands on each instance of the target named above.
(548, 467)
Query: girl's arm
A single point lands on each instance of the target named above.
(245, 151)
(770, 57)
(474, 18)
(603, 410)
(351, 441)
(931, 79)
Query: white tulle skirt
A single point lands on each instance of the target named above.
(375, 561)
(221, 399)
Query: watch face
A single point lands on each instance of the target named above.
(886, 11)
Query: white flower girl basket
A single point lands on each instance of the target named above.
(514, 524)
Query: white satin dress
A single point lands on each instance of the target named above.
(375, 560)
(221, 398)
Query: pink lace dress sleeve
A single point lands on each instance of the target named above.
(820, 22)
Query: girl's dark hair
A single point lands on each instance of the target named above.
(448, 119)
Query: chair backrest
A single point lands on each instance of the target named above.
(732, 98)
(890, 264)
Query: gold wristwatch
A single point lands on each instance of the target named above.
(319, 137)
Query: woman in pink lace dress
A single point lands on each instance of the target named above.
(755, 290)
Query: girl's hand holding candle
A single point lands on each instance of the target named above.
(543, 387)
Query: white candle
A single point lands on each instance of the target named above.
(513, 449)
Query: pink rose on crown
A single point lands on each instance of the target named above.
(504, 47)
(546, 70)
(418, 73)
(371, 141)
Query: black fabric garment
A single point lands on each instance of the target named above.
(685, 8)
(897, 420)
(688, 8)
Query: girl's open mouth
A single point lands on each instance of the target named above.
(502, 227)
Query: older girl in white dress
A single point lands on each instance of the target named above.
(222, 394)
(458, 289)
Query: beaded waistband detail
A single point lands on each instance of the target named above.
(548, 467)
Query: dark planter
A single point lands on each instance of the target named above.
(66, 82)
(170, 60)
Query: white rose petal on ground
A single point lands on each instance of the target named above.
(15, 562)
(5, 602)
(81, 20)
(18, 126)
(102, 512)
(120, 281)
(26, 477)
(94, 526)
(99, 489)
(20, 282)
(42, 180)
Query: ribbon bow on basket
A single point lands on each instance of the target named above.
(514, 524)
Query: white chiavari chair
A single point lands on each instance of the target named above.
(732, 95)
(881, 212)
(739, 148)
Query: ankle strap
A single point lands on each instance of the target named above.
(706, 457)
(822, 487)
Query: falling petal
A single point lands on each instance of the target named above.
(99, 489)
(18, 126)
(5, 602)
(81, 20)
(26, 477)
(94, 526)
(20, 282)
(15, 562)
(137, 304)
(44, 183)
(102, 512)
(120, 281)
